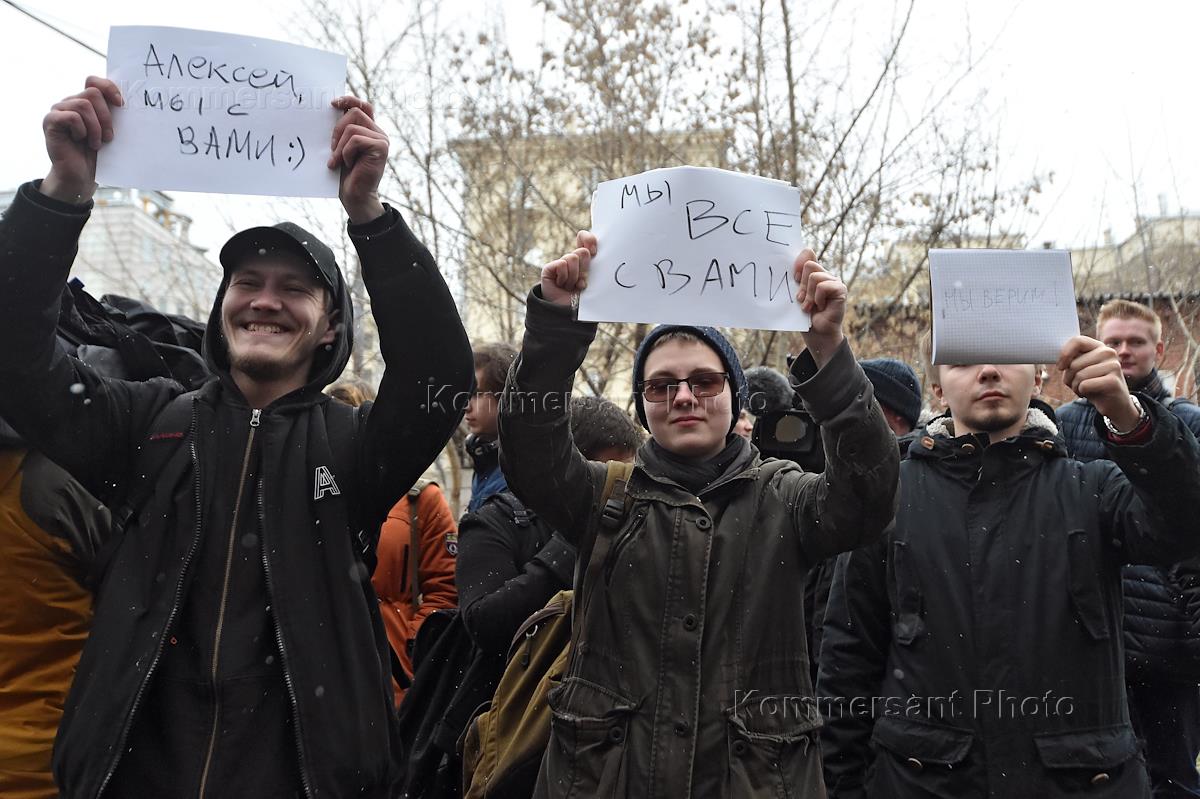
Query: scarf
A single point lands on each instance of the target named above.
(696, 475)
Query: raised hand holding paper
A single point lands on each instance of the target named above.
(693, 245)
(1001, 306)
(220, 112)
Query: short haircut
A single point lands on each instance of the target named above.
(352, 391)
(492, 362)
(1127, 309)
(682, 336)
(597, 425)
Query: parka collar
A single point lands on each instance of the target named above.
(938, 439)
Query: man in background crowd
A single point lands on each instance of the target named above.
(1162, 652)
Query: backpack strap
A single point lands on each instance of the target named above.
(614, 504)
(612, 498)
(168, 431)
(414, 543)
(513, 509)
(341, 420)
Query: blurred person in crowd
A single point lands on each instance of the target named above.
(491, 368)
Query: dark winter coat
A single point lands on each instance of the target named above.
(321, 702)
(1162, 626)
(510, 564)
(977, 652)
(691, 675)
(1155, 623)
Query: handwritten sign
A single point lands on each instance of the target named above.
(219, 112)
(692, 245)
(1001, 306)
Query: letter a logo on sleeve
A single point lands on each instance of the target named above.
(323, 483)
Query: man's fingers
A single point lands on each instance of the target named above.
(587, 240)
(359, 146)
(828, 291)
(67, 122)
(1092, 372)
(107, 88)
(103, 114)
(348, 135)
(813, 276)
(349, 101)
(803, 279)
(550, 271)
(1075, 347)
(356, 117)
(569, 274)
(84, 111)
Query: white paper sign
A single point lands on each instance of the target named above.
(1001, 306)
(693, 245)
(219, 112)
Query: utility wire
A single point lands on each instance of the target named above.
(57, 30)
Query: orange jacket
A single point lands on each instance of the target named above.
(392, 579)
(49, 527)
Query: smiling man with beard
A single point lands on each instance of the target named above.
(236, 648)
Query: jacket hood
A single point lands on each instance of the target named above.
(288, 237)
(938, 439)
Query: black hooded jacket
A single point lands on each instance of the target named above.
(977, 651)
(250, 502)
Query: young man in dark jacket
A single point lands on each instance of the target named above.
(690, 678)
(236, 647)
(977, 651)
(1160, 652)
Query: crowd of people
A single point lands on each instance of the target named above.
(226, 576)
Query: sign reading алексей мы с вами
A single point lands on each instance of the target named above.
(698, 246)
(220, 112)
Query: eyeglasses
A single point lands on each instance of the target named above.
(702, 384)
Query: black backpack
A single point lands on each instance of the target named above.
(452, 678)
(128, 346)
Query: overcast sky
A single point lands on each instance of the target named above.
(1103, 93)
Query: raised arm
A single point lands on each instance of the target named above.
(1149, 508)
(88, 424)
(854, 499)
(421, 336)
(540, 461)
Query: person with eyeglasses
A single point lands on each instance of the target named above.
(689, 676)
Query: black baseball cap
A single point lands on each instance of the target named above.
(284, 237)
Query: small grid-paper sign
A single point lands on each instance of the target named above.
(1001, 306)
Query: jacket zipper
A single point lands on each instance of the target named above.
(162, 635)
(255, 417)
(287, 672)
